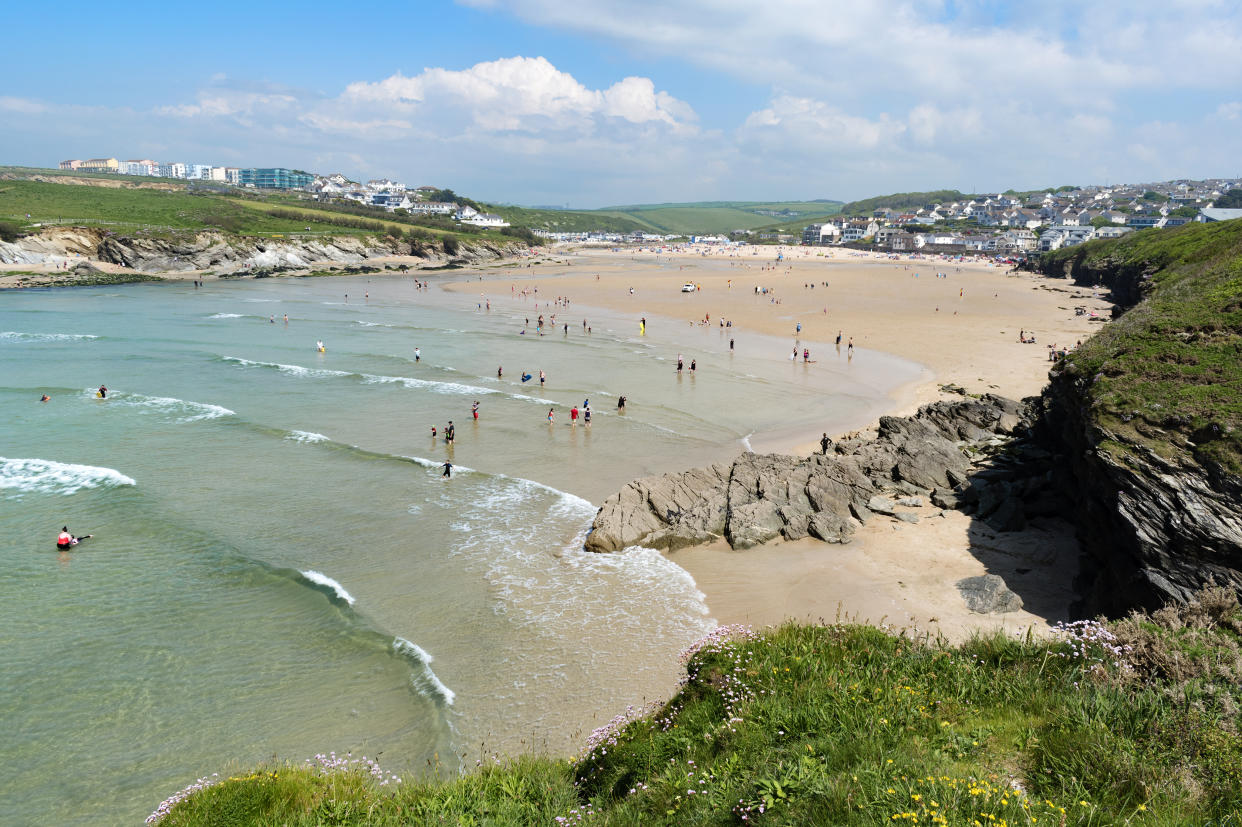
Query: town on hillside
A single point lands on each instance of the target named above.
(1015, 224)
(384, 193)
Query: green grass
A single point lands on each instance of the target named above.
(711, 217)
(1170, 370)
(903, 201)
(850, 725)
(149, 210)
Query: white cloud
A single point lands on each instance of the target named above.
(815, 123)
(21, 105)
(1230, 111)
(519, 94)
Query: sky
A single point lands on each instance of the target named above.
(593, 103)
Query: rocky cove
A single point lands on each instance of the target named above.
(1151, 486)
(224, 253)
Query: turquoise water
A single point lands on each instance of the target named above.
(278, 568)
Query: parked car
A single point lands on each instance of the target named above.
(688, 287)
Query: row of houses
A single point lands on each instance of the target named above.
(1005, 223)
(257, 177)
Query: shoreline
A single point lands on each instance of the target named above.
(899, 574)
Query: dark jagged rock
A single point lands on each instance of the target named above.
(762, 497)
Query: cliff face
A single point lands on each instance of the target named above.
(1147, 415)
(228, 253)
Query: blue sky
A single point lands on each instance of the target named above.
(593, 103)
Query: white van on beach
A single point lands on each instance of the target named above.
(688, 287)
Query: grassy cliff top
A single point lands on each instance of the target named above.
(1168, 373)
(1130, 723)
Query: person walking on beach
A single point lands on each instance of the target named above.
(573, 417)
(730, 345)
(824, 442)
(448, 470)
(551, 416)
(850, 349)
(449, 433)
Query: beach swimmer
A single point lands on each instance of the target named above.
(45, 398)
(103, 392)
(319, 346)
(433, 431)
(542, 378)
(500, 371)
(621, 403)
(525, 377)
(474, 409)
(586, 415)
(449, 432)
(66, 540)
(448, 470)
(551, 416)
(418, 355)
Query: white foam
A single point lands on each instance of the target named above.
(427, 679)
(305, 436)
(188, 410)
(16, 336)
(324, 580)
(291, 370)
(428, 384)
(371, 324)
(45, 476)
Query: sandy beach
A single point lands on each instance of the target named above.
(959, 319)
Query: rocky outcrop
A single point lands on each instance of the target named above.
(1155, 527)
(987, 594)
(944, 452)
(226, 253)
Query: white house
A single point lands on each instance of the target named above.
(433, 207)
(486, 219)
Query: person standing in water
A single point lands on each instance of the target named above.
(621, 403)
(551, 416)
(448, 470)
(573, 417)
(474, 409)
(449, 433)
(542, 378)
(103, 391)
(693, 365)
(586, 416)
(418, 355)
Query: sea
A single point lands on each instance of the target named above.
(279, 567)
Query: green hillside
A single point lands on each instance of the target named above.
(1168, 373)
(1133, 723)
(567, 221)
(710, 217)
(902, 201)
